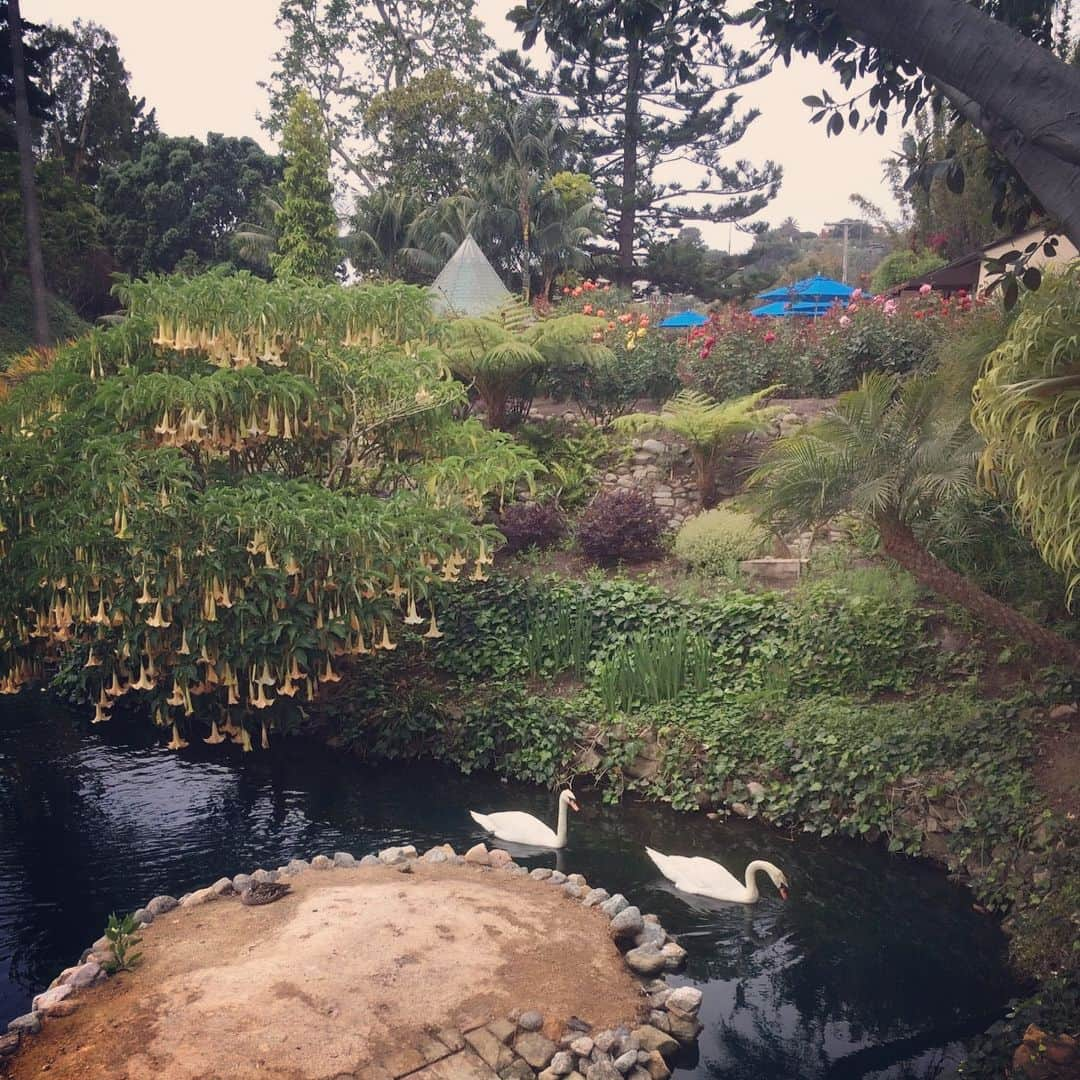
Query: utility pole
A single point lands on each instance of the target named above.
(845, 225)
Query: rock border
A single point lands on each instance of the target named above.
(514, 1048)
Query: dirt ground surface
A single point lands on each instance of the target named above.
(348, 973)
(1057, 770)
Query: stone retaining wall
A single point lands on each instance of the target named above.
(511, 1048)
(661, 467)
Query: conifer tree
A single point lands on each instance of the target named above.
(308, 246)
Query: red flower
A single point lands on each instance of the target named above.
(770, 337)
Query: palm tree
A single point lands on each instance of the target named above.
(708, 428)
(382, 230)
(524, 145)
(499, 353)
(560, 234)
(893, 453)
(256, 241)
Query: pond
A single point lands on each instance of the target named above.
(875, 967)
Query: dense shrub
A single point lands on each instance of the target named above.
(572, 455)
(612, 386)
(622, 525)
(532, 524)
(900, 266)
(715, 540)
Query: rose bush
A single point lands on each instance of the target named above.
(736, 353)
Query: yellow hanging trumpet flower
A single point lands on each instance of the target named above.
(412, 617)
(395, 590)
(385, 642)
(176, 698)
(245, 740)
(265, 737)
(144, 682)
(92, 660)
(215, 736)
(145, 597)
(329, 674)
(176, 743)
(99, 617)
(158, 620)
(433, 630)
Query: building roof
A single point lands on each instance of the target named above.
(468, 284)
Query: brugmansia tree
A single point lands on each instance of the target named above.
(895, 453)
(307, 225)
(216, 502)
(1027, 408)
(502, 354)
(708, 428)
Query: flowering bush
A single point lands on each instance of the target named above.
(736, 353)
(622, 525)
(642, 361)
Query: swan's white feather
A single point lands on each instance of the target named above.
(699, 876)
(517, 827)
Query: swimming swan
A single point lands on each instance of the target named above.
(703, 877)
(517, 827)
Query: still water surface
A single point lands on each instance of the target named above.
(874, 968)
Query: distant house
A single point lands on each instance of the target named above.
(968, 273)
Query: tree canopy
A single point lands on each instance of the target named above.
(95, 120)
(654, 85)
(182, 195)
(344, 54)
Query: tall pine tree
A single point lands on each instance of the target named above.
(653, 84)
(308, 245)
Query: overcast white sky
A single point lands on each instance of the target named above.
(199, 63)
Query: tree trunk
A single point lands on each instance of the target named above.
(631, 137)
(28, 188)
(901, 544)
(1027, 98)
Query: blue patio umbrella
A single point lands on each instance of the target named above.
(779, 310)
(812, 288)
(683, 320)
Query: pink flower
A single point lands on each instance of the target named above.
(770, 337)
(926, 289)
(856, 294)
(853, 307)
(889, 308)
(844, 320)
(586, 309)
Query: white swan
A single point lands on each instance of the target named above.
(517, 827)
(703, 877)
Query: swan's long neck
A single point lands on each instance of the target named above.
(751, 878)
(560, 832)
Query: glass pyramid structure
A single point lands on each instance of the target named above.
(467, 284)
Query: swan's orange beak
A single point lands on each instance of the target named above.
(783, 892)
(574, 805)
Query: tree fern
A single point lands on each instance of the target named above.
(708, 427)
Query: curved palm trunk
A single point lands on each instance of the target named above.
(901, 544)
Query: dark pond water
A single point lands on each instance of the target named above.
(875, 967)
